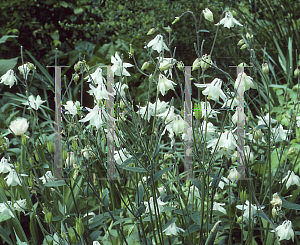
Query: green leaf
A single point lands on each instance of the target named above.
(193, 228)
(4, 38)
(139, 194)
(5, 236)
(78, 10)
(8, 64)
(196, 217)
(160, 173)
(289, 205)
(55, 183)
(122, 220)
(106, 197)
(136, 170)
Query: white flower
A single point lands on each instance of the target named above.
(96, 77)
(121, 89)
(218, 207)
(231, 102)
(229, 21)
(86, 152)
(12, 179)
(5, 167)
(222, 182)
(19, 126)
(164, 84)
(5, 209)
(247, 80)
(285, 231)
(208, 15)
(292, 180)
(9, 78)
(166, 65)
(119, 67)
(226, 144)
(241, 118)
(48, 177)
(276, 201)
(150, 110)
(150, 206)
(20, 205)
(210, 129)
(298, 121)
(246, 209)
(233, 175)
(168, 114)
(24, 70)
(178, 125)
(266, 119)
(249, 154)
(96, 243)
(34, 103)
(99, 92)
(158, 44)
(172, 230)
(280, 133)
(70, 159)
(72, 108)
(206, 110)
(90, 221)
(121, 155)
(213, 89)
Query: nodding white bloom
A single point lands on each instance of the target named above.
(13, 179)
(262, 120)
(158, 43)
(121, 156)
(150, 206)
(285, 231)
(72, 108)
(292, 180)
(48, 177)
(229, 21)
(210, 129)
(164, 84)
(34, 103)
(161, 110)
(208, 15)
(20, 205)
(206, 110)
(231, 102)
(70, 159)
(87, 152)
(246, 209)
(96, 77)
(166, 65)
(276, 202)
(121, 89)
(164, 112)
(222, 182)
(9, 78)
(226, 144)
(24, 70)
(19, 126)
(233, 175)
(213, 89)
(99, 92)
(246, 80)
(178, 125)
(5, 167)
(280, 133)
(119, 67)
(218, 207)
(172, 230)
(5, 209)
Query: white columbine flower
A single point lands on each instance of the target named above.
(246, 209)
(12, 179)
(150, 206)
(5, 167)
(164, 84)
(99, 92)
(231, 102)
(213, 89)
(285, 231)
(218, 207)
(158, 44)
(172, 230)
(210, 129)
(178, 125)
(206, 110)
(70, 159)
(229, 21)
(20, 205)
(266, 118)
(72, 108)
(24, 70)
(96, 77)
(233, 175)
(9, 78)
(121, 89)
(48, 177)
(280, 133)
(5, 209)
(243, 78)
(208, 15)
(118, 66)
(121, 156)
(166, 65)
(150, 110)
(293, 179)
(226, 144)
(34, 103)
(19, 126)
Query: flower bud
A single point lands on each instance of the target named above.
(198, 111)
(239, 220)
(131, 50)
(76, 78)
(48, 217)
(50, 147)
(145, 66)
(30, 66)
(180, 66)
(241, 42)
(76, 67)
(165, 65)
(243, 196)
(74, 143)
(204, 63)
(176, 20)
(296, 72)
(244, 46)
(292, 151)
(79, 227)
(168, 29)
(151, 31)
(257, 135)
(265, 68)
(249, 36)
(65, 155)
(274, 213)
(208, 15)
(196, 64)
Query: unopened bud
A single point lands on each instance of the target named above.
(176, 20)
(274, 212)
(239, 220)
(265, 68)
(79, 227)
(50, 147)
(180, 66)
(196, 64)
(151, 78)
(244, 46)
(76, 67)
(205, 62)
(258, 135)
(198, 111)
(74, 143)
(30, 66)
(131, 50)
(48, 217)
(122, 104)
(296, 72)
(76, 78)
(145, 66)
(241, 42)
(243, 196)
(151, 31)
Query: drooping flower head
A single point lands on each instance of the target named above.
(229, 21)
